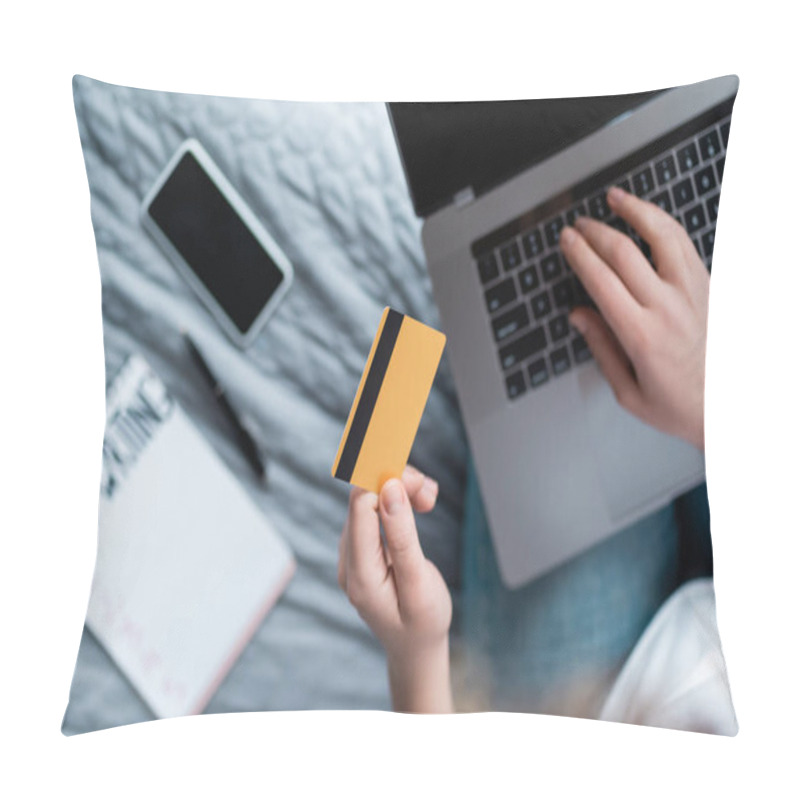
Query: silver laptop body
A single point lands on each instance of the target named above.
(562, 467)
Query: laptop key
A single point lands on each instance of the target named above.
(532, 243)
(510, 322)
(580, 350)
(643, 182)
(709, 145)
(551, 267)
(501, 295)
(527, 345)
(537, 373)
(712, 206)
(528, 279)
(624, 184)
(582, 297)
(725, 129)
(487, 267)
(510, 256)
(662, 201)
(620, 225)
(552, 230)
(574, 213)
(707, 240)
(559, 361)
(720, 167)
(665, 170)
(563, 293)
(683, 193)
(515, 385)
(688, 158)
(598, 207)
(541, 306)
(704, 181)
(559, 328)
(694, 219)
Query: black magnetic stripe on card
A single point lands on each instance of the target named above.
(369, 395)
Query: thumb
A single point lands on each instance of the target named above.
(611, 358)
(402, 539)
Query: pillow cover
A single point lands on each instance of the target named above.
(187, 525)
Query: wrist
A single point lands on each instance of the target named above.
(419, 679)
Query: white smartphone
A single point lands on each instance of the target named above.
(216, 242)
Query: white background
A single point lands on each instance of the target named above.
(52, 386)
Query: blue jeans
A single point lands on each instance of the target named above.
(556, 645)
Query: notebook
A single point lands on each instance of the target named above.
(187, 565)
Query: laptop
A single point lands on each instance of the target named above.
(561, 465)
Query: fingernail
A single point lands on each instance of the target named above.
(411, 470)
(580, 223)
(392, 496)
(567, 236)
(615, 195)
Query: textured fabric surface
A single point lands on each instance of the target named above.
(326, 181)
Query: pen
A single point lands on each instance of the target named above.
(245, 440)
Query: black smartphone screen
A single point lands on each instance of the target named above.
(214, 241)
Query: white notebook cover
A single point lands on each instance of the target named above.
(187, 566)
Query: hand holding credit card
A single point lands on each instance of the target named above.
(389, 402)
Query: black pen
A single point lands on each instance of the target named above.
(244, 438)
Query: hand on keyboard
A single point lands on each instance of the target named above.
(650, 341)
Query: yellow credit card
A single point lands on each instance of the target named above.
(389, 402)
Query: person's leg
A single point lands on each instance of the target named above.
(694, 525)
(557, 644)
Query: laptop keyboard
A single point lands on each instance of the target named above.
(528, 286)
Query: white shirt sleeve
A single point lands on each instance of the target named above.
(676, 677)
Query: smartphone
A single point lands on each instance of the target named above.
(216, 242)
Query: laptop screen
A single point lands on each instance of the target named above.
(449, 147)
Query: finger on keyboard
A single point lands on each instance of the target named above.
(615, 301)
(657, 227)
(622, 255)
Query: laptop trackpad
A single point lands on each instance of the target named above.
(637, 465)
